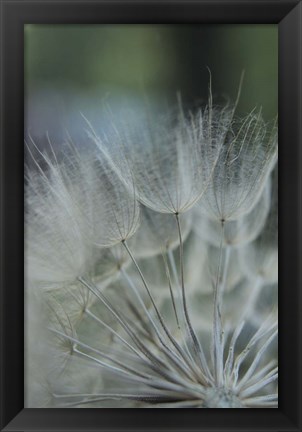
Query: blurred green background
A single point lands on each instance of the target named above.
(131, 61)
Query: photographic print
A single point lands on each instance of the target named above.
(151, 216)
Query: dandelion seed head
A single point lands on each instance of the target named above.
(152, 310)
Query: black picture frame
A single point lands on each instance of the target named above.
(14, 14)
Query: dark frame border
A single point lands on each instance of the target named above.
(16, 13)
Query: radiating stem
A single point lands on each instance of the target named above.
(141, 301)
(171, 291)
(227, 255)
(167, 332)
(217, 322)
(181, 313)
(144, 350)
(196, 344)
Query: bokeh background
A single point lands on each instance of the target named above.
(80, 68)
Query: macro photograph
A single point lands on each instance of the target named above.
(151, 216)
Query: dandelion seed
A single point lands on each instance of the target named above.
(73, 210)
(56, 234)
(245, 163)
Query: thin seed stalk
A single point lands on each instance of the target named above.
(217, 321)
(196, 344)
(160, 318)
